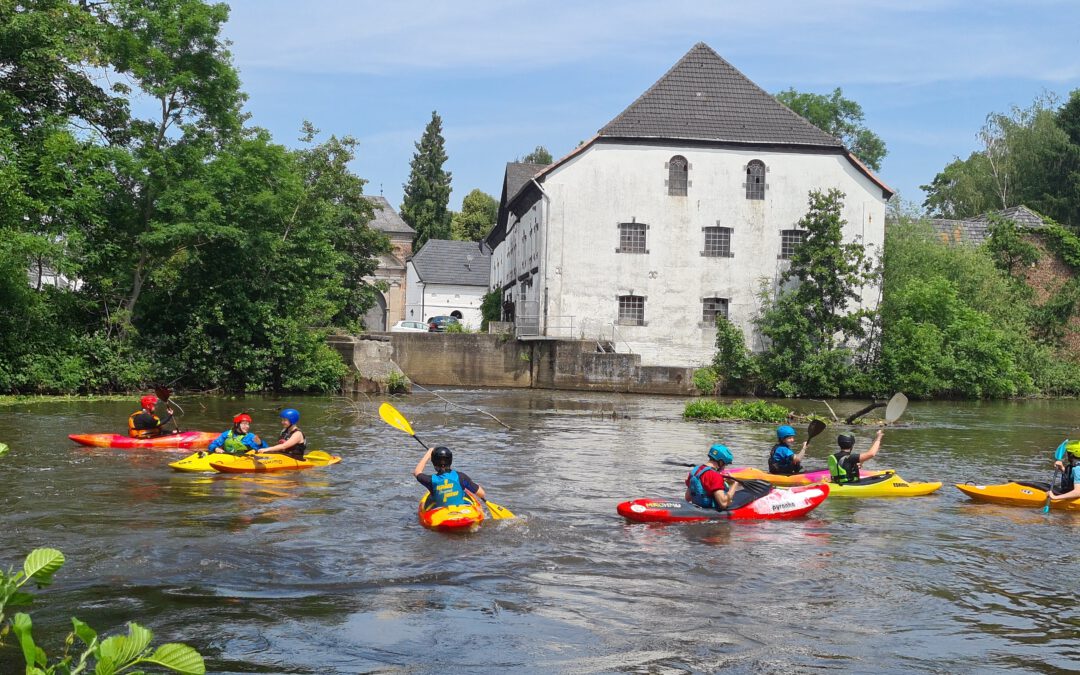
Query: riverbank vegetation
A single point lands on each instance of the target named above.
(953, 321)
(751, 411)
(170, 240)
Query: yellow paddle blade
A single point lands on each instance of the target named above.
(498, 512)
(391, 416)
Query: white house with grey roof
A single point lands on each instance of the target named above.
(448, 278)
(679, 209)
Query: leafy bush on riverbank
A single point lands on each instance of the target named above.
(749, 411)
(113, 654)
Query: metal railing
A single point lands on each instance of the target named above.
(616, 337)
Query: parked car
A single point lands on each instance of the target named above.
(438, 324)
(409, 327)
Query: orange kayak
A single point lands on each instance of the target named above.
(465, 517)
(1030, 495)
(185, 440)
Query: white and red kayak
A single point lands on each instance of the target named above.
(776, 505)
(185, 440)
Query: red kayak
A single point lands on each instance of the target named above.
(185, 440)
(778, 504)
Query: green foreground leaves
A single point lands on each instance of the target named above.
(113, 655)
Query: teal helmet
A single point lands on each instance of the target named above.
(720, 453)
(784, 431)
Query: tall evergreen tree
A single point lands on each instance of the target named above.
(427, 193)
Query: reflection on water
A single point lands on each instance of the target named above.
(328, 571)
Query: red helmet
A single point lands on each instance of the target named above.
(148, 402)
(242, 417)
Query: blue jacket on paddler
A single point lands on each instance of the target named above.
(447, 490)
(703, 482)
(238, 440)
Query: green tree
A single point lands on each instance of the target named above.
(841, 118)
(428, 191)
(1009, 247)
(1028, 156)
(810, 326)
(476, 218)
(733, 365)
(538, 156)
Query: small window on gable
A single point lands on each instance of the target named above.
(631, 310)
(789, 241)
(717, 242)
(632, 238)
(755, 179)
(712, 308)
(678, 175)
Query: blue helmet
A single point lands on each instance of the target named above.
(720, 453)
(784, 431)
(291, 414)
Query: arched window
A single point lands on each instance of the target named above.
(755, 179)
(678, 171)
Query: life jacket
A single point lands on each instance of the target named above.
(1063, 480)
(297, 451)
(234, 443)
(446, 489)
(842, 469)
(785, 466)
(698, 494)
(143, 433)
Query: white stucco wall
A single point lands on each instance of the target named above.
(423, 301)
(608, 184)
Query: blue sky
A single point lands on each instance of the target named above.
(508, 75)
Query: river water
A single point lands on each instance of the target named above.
(328, 570)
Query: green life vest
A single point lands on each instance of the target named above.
(233, 444)
(837, 471)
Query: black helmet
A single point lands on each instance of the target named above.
(441, 456)
(845, 441)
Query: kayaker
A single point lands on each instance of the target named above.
(144, 423)
(291, 442)
(783, 460)
(1068, 487)
(707, 487)
(239, 440)
(844, 464)
(446, 486)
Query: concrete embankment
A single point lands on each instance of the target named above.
(480, 360)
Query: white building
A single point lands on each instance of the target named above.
(448, 278)
(678, 209)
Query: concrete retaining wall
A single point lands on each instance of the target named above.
(478, 360)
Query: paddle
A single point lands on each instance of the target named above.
(391, 416)
(896, 407)
(815, 428)
(163, 393)
(751, 484)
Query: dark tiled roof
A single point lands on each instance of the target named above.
(386, 218)
(517, 175)
(976, 230)
(441, 261)
(703, 97)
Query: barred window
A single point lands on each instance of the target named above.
(755, 179)
(789, 241)
(712, 308)
(632, 238)
(678, 172)
(631, 310)
(717, 242)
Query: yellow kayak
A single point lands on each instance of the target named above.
(887, 485)
(201, 461)
(806, 478)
